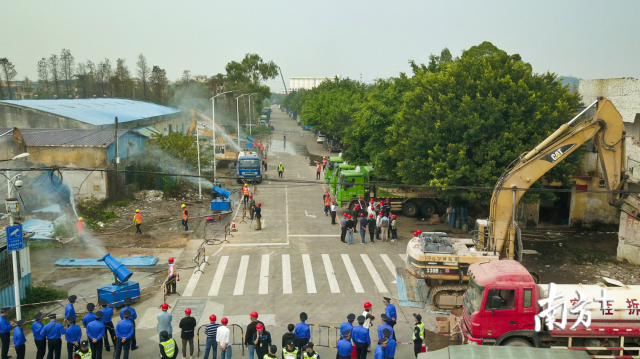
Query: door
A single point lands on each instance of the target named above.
(526, 313)
(501, 314)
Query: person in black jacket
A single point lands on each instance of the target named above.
(251, 329)
(287, 337)
(350, 226)
(188, 325)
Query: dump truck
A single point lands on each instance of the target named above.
(510, 352)
(266, 111)
(332, 164)
(333, 181)
(249, 167)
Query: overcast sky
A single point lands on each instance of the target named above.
(586, 39)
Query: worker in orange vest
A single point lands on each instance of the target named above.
(137, 220)
(324, 163)
(185, 217)
(173, 272)
(327, 203)
(245, 192)
(80, 226)
(318, 170)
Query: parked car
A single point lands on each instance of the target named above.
(320, 138)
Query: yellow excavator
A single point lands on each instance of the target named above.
(443, 262)
(221, 146)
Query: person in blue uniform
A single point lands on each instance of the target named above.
(302, 330)
(107, 314)
(344, 346)
(5, 332)
(361, 338)
(390, 311)
(348, 324)
(54, 332)
(19, 340)
(90, 316)
(384, 326)
(95, 333)
(69, 310)
(390, 349)
(124, 331)
(134, 316)
(38, 336)
(72, 336)
(379, 354)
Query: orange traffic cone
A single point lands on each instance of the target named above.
(233, 226)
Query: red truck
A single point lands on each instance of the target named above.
(501, 305)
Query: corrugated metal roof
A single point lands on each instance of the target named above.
(99, 111)
(147, 131)
(62, 137)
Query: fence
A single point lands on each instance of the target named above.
(331, 338)
(232, 339)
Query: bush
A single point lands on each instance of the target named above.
(43, 294)
(260, 130)
(95, 211)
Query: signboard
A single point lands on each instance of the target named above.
(14, 238)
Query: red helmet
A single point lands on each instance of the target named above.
(367, 305)
(419, 232)
(371, 215)
(349, 216)
(212, 317)
(170, 260)
(361, 214)
(415, 234)
(344, 214)
(259, 204)
(259, 326)
(381, 213)
(250, 196)
(387, 199)
(224, 321)
(164, 306)
(394, 216)
(187, 311)
(326, 191)
(254, 315)
(359, 197)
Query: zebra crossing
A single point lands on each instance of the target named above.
(337, 273)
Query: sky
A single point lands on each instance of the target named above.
(357, 39)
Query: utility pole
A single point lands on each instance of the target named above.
(116, 159)
(285, 85)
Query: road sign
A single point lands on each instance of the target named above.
(14, 237)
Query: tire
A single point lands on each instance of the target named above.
(410, 209)
(428, 208)
(352, 206)
(516, 342)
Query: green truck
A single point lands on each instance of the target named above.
(335, 175)
(332, 164)
(362, 182)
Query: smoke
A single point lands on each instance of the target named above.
(95, 243)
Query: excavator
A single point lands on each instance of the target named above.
(443, 262)
(221, 147)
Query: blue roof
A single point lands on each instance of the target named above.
(99, 111)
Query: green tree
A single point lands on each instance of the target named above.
(182, 148)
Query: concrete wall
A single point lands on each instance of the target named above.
(23, 117)
(129, 145)
(623, 92)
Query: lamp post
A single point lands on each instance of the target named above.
(250, 122)
(238, 116)
(213, 122)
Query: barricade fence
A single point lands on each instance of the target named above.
(328, 335)
(233, 338)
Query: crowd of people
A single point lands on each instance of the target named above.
(374, 219)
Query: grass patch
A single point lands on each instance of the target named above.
(122, 203)
(94, 211)
(38, 245)
(575, 255)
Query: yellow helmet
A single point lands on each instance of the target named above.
(280, 162)
(137, 210)
(184, 205)
(245, 184)
(79, 218)
(323, 157)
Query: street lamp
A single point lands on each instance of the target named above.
(213, 122)
(238, 115)
(250, 122)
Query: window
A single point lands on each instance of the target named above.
(527, 298)
(507, 299)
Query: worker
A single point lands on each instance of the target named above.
(109, 331)
(5, 332)
(385, 325)
(168, 346)
(272, 352)
(69, 311)
(211, 330)
(171, 280)
(371, 227)
(379, 354)
(137, 220)
(348, 324)
(351, 225)
(290, 351)
(318, 170)
(188, 325)
(185, 217)
(363, 227)
(164, 321)
(371, 209)
(384, 227)
(343, 227)
(324, 163)
(369, 317)
(390, 348)
(387, 207)
(280, 170)
(418, 334)
(302, 330)
(81, 228)
(356, 211)
(262, 340)
(73, 335)
(334, 211)
(258, 211)
(19, 340)
(251, 329)
(394, 228)
(264, 163)
(124, 331)
(95, 333)
(288, 337)
(252, 206)
(245, 193)
(327, 203)
(127, 306)
(361, 203)
(54, 332)
(361, 338)
(284, 135)
(308, 352)
(90, 316)
(38, 336)
(344, 346)
(84, 352)
(390, 310)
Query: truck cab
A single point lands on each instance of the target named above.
(249, 167)
(333, 163)
(353, 184)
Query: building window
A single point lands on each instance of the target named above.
(6, 270)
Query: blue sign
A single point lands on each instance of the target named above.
(14, 237)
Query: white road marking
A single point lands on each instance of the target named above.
(242, 275)
(403, 256)
(315, 235)
(331, 276)
(309, 215)
(352, 274)
(193, 281)
(374, 274)
(286, 275)
(264, 275)
(308, 274)
(257, 244)
(286, 202)
(217, 278)
(389, 263)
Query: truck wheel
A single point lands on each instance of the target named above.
(516, 342)
(428, 208)
(352, 206)
(410, 209)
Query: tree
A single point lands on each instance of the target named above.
(158, 82)
(122, 79)
(67, 69)
(181, 147)
(102, 77)
(43, 76)
(143, 75)
(9, 72)
(54, 71)
(27, 87)
(186, 77)
(84, 74)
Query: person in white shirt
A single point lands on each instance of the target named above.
(334, 210)
(222, 337)
(368, 314)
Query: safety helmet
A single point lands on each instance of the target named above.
(187, 311)
(165, 306)
(259, 204)
(380, 213)
(183, 205)
(250, 196)
(419, 232)
(254, 315)
(280, 162)
(394, 216)
(323, 157)
(137, 211)
(79, 218)
(367, 305)
(259, 326)
(344, 214)
(224, 321)
(171, 260)
(245, 184)
(359, 197)
(415, 234)
(371, 215)
(349, 216)
(212, 317)
(361, 214)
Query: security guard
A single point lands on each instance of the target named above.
(308, 352)
(107, 313)
(390, 310)
(344, 346)
(361, 339)
(348, 324)
(54, 332)
(272, 353)
(280, 170)
(245, 193)
(137, 220)
(19, 340)
(185, 217)
(385, 325)
(90, 316)
(379, 354)
(84, 352)
(5, 332)
(38, 336)
(95, 333)
(302, 330)
(69, 310)
(168, 346)
(124, 331)
(390, 349)
(290, 351)
(418, 334)
(134, 316)
(72, 335)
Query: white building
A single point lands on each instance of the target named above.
(199, 78)
(307, 83)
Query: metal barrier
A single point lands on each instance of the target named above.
(200, 258)
(232, 339)
(169, 281)
(329, 329)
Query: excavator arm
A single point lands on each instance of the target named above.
(607, 131)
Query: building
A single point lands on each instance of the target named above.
(307, 83)
(97, 113)
(7, 291)
(199, 78)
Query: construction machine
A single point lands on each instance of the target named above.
(443, 262)
(221, 153)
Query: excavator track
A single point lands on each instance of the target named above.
(459, 290)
